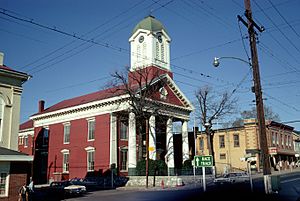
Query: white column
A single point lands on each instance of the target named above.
(185, 141)
(170, 147)
(113, 140)
(132, 145)
(152, 138)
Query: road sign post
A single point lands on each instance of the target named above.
(203, 161)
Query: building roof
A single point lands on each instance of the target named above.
(7, 71)
(5, 151)
(95, 96)
(6, 68)
(149, 23)
(26, 125)
(11, 155)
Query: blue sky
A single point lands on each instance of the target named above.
(64, 67)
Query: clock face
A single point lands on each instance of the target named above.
(141, 39)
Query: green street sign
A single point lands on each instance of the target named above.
(203, 161)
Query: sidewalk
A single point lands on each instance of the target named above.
(281, 172)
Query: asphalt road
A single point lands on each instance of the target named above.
(225, 192)
(290, 191)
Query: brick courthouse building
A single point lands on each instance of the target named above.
(87, 134)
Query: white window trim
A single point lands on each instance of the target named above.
(4, 168)
(121, 149)
(127, 134)
(65, 151)
(2, 116)
(21, 140)
(88, 133)
(88, 150)
(6, 186)
(25, 137)
(67, 124)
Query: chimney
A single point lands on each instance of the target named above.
(1, 58)
(41, 106)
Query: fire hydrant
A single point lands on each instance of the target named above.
(162, 184)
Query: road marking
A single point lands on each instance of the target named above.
(290, 180)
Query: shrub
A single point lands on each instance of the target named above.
(158, 167)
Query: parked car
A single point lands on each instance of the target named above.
(90, 185)
(297, 164)
(66, 188)
(232, 177)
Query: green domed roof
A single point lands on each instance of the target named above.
(149, 23)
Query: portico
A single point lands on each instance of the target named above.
(157, 150)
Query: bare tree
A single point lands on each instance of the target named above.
(251, 114)
(142, 87)
(213, 106)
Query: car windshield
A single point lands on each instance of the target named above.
(60, 184)
(236, 174)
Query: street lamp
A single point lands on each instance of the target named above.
(260, 119)
(216, 62)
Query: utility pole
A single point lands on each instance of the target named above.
(258, 95)
(147, 152)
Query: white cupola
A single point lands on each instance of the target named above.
(149, 45)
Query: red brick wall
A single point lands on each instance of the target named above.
(151, 73)
(28, 149)
(77, 145)
(17, 178)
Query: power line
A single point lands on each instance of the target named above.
(207, 49)
(283, 25)
(276, 58)
(78, 84)
(205, 11)
(283, 103)
(106, 45)
(244, 46)
(85, 41)
(284, 18)
(22, 35)
(284, 35)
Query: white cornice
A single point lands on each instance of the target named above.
(82, 112)
(26, 132)
(180, 95)
(16, 158)
(94, 104)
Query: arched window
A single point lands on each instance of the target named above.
(144, 50)
(138, 54)
(157, 51)
(162, 52)
(2, 104)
